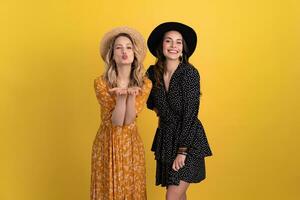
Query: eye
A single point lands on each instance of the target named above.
(129, 47)
(167, 40)
(118, 47)
(179, 42)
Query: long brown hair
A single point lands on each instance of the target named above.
(160, 61)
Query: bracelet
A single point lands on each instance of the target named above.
(183, 153)
(182, 150)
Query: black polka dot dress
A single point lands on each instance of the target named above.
(179, 126)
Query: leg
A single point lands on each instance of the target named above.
(177, 192)
(183, 196)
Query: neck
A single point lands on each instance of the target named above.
(124, 73)
(171, 66)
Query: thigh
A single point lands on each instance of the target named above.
(177, 191)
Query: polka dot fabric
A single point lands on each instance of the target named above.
(179, 126)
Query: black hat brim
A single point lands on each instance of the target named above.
(188, 34)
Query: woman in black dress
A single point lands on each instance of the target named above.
(180, 144)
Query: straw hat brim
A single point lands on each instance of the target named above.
(137, 38)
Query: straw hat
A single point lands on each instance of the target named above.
(135, 35)
(188, 34)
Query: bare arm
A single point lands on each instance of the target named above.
(118, 114)
(130, 114)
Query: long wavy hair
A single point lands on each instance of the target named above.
(111, 71)
(159, 65)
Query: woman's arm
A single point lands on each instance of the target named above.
(131, 111)
(191, 100)
(118, 114)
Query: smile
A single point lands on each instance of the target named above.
(173, 51)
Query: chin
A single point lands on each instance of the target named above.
(172, 58)
(125, 63)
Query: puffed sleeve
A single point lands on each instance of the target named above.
(143, 95)
(104, 98)
(191, 93)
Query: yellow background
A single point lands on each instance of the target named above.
(248, 57)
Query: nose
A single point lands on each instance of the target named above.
(123, 50)
(173, 44)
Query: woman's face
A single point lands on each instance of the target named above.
(123, 51)
(172, 45)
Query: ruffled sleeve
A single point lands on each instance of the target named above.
(191, 100)
(105, 100)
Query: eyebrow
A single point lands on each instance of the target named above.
(126, 44)
(171, 38)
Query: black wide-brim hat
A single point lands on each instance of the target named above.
(188, 34)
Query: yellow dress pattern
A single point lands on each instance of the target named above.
(118, 158)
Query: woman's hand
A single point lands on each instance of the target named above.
(133, 91)
(178, 162)
(118, 91)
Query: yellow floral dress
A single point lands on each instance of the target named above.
(118, 159)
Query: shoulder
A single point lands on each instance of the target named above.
(150, 69)
(150, 72)
(147, 81)
(190, 72)
(100, 82)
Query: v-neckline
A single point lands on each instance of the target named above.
(165, 89)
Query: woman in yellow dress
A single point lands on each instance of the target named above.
(118, 160)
